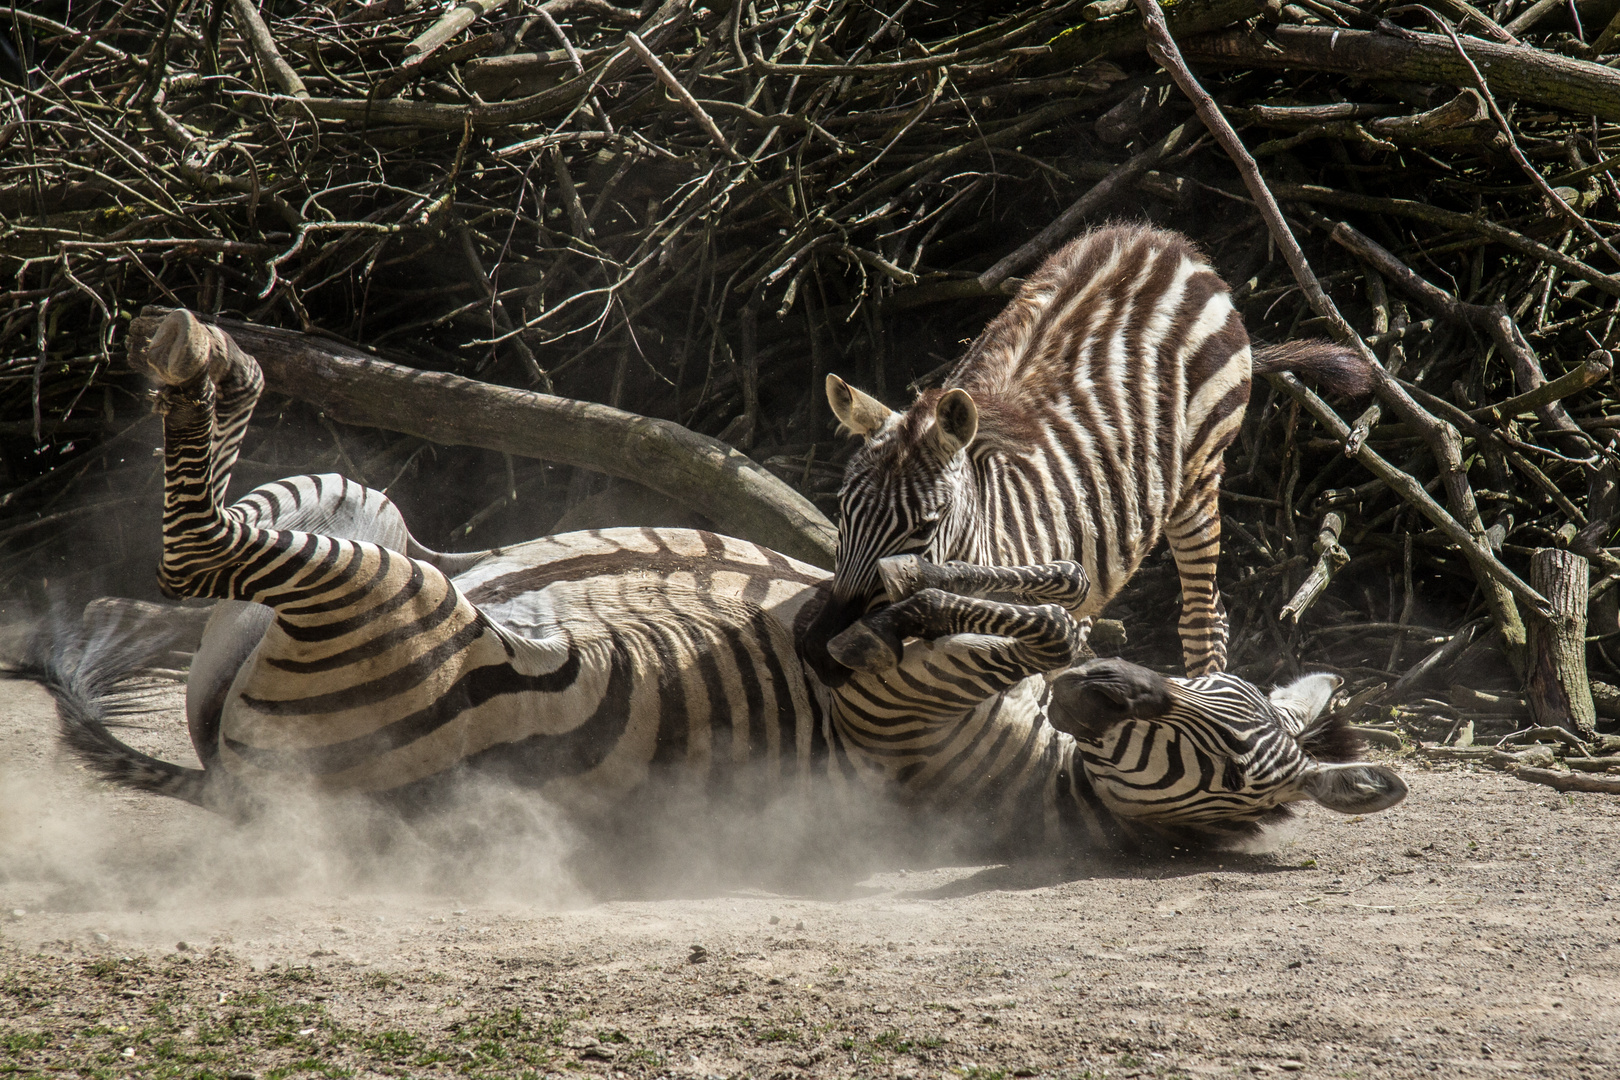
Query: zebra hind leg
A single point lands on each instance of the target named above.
(1195, 542)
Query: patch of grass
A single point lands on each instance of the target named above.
(490, 1051)
(778, 1035)
(1128, 1061)
(643, 1056)
(506, 1037)
(380, 980)
(391, 1045)
(897, 1043)
(15, 1042)
(310, 1065)
(614, 1036)
(433, 1057)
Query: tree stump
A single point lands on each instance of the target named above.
(1557, 688)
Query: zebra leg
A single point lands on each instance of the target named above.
(209, 389)
(1044, 637)
(1061, 583)
(183, 354)
(1194, 534)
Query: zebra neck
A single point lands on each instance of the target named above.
(1075, 802)
(1012, 516)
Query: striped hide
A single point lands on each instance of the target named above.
(1087, 422)
(597, 669)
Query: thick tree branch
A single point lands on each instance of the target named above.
(723, 484)
(1514, 71)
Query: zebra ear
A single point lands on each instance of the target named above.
(858, 413)
(956, 421)
(1304, 699)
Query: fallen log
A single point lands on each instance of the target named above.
(1562, 781)
(726, 486)
(1538, 75)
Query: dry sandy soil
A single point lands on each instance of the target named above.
(1470, 932)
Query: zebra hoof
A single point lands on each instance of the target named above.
(902, 575)
(861, 648)
(182, 349)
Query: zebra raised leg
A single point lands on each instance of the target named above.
(1062, 583)
(1044, 637)
(363, 637)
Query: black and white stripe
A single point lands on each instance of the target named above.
(1087, 422)
(594, 668)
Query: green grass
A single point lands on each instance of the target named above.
(391, 1045)
(894, 1042)
(178, 1029)
(310, 1065)
(18, 1041)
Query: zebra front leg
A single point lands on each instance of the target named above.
(1062, 583)
(1042, 638)
(1195, 541)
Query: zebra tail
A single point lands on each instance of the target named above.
(88, 672)
(1333, 367)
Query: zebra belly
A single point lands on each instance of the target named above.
(619, 677)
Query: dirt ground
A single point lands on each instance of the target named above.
(1470, 932)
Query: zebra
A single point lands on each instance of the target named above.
(1086, 422)
(594, 667)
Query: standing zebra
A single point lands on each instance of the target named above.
(597, 667)
(1087, 421)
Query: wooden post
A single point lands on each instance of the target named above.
(1557, 689)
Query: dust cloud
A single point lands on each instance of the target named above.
(90, 846)
(69, 842)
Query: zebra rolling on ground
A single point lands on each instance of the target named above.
(591, 667)
(1086, 422)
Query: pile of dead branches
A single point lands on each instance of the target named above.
(693, 211)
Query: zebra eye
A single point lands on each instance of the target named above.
(923, 534)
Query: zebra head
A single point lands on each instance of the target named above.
(905, 492)
(1213, 754)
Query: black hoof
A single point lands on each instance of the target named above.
(861, 648)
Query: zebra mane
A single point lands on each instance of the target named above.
(1330, 738)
